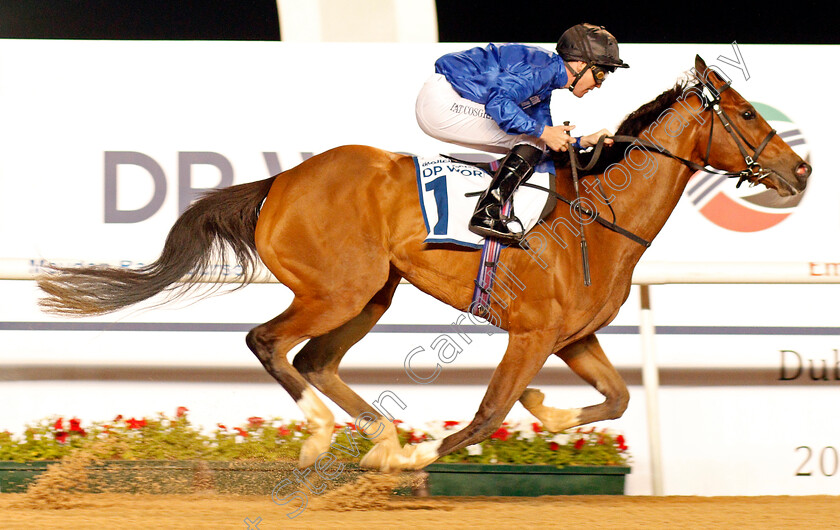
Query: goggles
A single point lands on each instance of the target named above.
(600, 72)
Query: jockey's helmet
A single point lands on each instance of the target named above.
(591, 44)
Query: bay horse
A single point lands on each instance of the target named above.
(342, 229)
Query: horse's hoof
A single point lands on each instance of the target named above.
(385, 457)
(558, 420)
(421, 455)
(554, 420)
(312, 448)
(532, 397)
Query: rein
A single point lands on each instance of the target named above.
(595, 215)
(584, 253)
(711, 101)
(754, 173)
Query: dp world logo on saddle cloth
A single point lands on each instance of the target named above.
(443, 185)
(747, 209)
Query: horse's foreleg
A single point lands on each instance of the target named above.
(318, 362)
(523, 359)
(586, 358)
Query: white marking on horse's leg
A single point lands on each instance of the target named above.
(386, 454)
(558, 420)
(321, 422)
(554, 420)
(422, 454)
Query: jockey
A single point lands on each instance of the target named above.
(498, 98)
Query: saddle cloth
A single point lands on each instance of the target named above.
(443, 185)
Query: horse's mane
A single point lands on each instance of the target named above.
(641, 118)
(634, 124)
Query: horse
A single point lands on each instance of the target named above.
(294, 223)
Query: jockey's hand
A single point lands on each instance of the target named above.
(591, 140)
(557, 138)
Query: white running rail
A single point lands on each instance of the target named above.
(645, 275)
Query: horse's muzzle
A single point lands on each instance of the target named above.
(802, 172)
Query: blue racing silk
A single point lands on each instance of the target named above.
(514, 82)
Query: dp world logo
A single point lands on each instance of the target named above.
(748, 209)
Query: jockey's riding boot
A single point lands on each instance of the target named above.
(488, 220)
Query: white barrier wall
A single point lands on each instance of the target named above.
(97, 134)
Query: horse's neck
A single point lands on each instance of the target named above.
(654, 190)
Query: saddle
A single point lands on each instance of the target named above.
(480, 305)
(449, 189)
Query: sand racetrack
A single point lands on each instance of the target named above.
(227, 511)
(58, 500)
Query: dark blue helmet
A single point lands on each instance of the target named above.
(591, 44)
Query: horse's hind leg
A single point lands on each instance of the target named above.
(586, 358)
(318, 362)
(270, 342)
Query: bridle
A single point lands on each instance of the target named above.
(710, 97)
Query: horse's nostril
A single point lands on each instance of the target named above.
(803, 170)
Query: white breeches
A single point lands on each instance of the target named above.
(445, 115)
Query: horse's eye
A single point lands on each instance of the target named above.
(748, 115)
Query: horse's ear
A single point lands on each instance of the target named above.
(709, 74)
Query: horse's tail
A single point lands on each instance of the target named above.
(214, 231)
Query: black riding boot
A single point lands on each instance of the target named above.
(487, 220)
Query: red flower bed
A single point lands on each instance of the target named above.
(175, 438)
